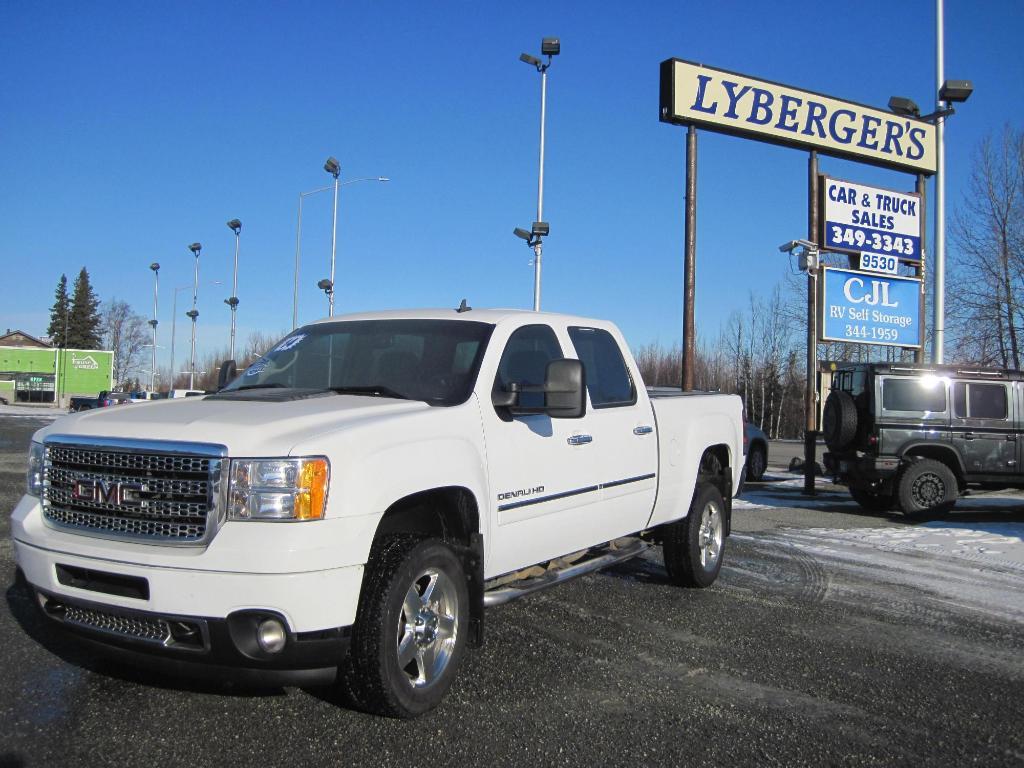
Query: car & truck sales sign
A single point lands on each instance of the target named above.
(882, 226)
(866, 308)
(727, 102)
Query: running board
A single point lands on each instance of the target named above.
(602, 559)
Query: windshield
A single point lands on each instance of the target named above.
(431, 360)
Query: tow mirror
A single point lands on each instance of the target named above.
(565, 389)
(227, 373)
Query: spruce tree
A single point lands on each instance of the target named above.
(84, 320)
(59, 314)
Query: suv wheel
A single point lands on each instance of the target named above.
(410, 630)
(927, 487)
(839, 420)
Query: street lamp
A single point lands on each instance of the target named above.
(174, 323)
(951, 91)
(236, 226)
(332, 167)
(194, 313)
(550, 46)
(153, 323)
(298, 238)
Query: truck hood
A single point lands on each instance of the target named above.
(247, 428)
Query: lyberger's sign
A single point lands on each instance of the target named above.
(731, 103)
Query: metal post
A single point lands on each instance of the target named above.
(922, 270)
(195, 314)
(234, 293)
(810, 399)
(156, 286)
(334, 244)
(298, 252)
(538, 248)
(174, 330)
(939, 303)
(690, 260)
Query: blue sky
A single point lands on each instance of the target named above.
(131, 130)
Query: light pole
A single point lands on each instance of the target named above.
(194, 313)
(155, 266)
(549, 46)
(236, 226)
(332, 167)
(174, 323)
(298, 238)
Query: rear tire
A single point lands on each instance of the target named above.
(927, 488)
(693, 547)
(411, 628)
(757, 463)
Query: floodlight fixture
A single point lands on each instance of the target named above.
(154, 266)
(235, 226)
(232, 301)
(332, 167)
(325, 285)
(531, 60)
(383, 178)
(550, 46)
(540, 229)
(193, 313)
(901, 105)
(196, 248)
(792, 245)
(519, 232)
(956, 90)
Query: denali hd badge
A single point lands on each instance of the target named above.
(521, 492)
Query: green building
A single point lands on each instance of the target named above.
(43, 374)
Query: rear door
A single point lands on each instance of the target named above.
(983, 430)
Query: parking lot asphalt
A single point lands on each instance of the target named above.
(832, 637)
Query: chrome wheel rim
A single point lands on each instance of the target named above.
(709, 538)
(928, 490)
(428, 626)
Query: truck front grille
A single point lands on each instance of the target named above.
(140, 628)
(153, 491)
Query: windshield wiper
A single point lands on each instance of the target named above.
(374, 390)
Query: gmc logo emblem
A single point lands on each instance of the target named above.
(106, 493)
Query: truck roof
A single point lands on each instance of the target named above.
(493, 316)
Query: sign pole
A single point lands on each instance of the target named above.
(690, 258)
(920, 270)
(810, 399)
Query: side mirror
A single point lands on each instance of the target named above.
(227, 373)
(565, 389)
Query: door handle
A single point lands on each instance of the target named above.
(969, 435)
(644, 430)
(580, 440)
(1012, 438)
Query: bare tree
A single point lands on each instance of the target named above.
(124, 332)
(987, 319)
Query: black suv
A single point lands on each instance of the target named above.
(915, 437)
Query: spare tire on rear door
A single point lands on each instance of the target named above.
(839, 421)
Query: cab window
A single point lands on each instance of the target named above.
(914, 395)
(608, 381)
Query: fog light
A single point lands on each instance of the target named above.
(271, 636)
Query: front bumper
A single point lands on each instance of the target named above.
(201, 647)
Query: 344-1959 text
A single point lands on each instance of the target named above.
(871, 333)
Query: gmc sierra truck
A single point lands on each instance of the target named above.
(344, 510)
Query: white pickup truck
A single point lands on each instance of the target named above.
(346, 508)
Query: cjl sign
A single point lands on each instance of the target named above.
(880, 225)
(866, 308)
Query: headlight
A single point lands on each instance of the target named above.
(34, 478)
(278, 489)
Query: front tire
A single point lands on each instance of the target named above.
(927, 487)
(410, 631)
(693, 547)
